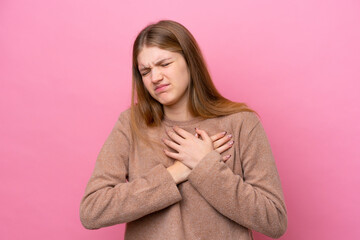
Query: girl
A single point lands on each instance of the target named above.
(183, 162)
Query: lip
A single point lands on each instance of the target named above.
(161, 87)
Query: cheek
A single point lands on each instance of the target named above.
(148, 87)
(185, 81)
(185, 76)
(146, 84)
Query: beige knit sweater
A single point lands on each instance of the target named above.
(220, 200)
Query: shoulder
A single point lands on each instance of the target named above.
(123, 121)
(244, 120)
(124, 117)
(125, 114)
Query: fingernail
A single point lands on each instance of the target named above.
(196, 129)
(229, 136)
(228, 156)
(231, 143)
(224, 133)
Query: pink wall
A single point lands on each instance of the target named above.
(65, 77)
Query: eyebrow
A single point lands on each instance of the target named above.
(156, 63)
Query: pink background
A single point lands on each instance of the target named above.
(65, 70)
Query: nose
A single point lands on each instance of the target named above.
(156, 75)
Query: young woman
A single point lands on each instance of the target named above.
(183, 162)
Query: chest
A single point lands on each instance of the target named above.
(147, 155)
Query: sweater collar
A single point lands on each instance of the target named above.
(171, 123)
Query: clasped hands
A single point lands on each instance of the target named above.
(190, 149)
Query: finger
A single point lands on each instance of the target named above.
(182, 132)
(217, 136)
(222, 141)
(172, 154)
(175, 137)
(196, 135)
(171, 144)
(225, 158)
(224, 147)
(203, 135)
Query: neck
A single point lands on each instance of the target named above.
(178, 114)
(179, 111)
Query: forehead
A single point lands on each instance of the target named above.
(150, 55)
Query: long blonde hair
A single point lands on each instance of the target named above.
(204, 99)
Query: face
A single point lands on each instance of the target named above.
(165, 75)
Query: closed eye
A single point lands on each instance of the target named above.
(163, 65)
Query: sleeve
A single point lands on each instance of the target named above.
(255, 200)
(109, 199)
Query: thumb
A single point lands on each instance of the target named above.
(203, 135)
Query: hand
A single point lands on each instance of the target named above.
(190, 149)
(219, 141)
(180, 172)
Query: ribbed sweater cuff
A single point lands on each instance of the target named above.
(161, 177)
(203, 169)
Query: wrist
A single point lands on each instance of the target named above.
(174, 173)
(179, 171)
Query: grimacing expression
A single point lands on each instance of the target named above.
(165, 75)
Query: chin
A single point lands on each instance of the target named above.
(167, 102)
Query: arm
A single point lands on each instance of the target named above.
(180, 171)
(109, 199)
(255, 201)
